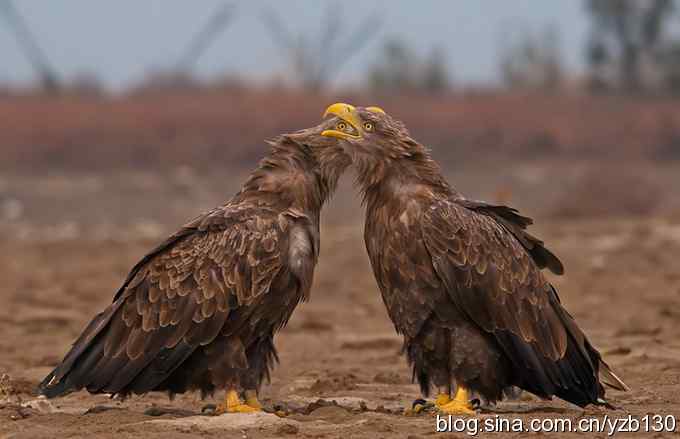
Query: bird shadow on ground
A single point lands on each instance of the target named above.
(525, 410)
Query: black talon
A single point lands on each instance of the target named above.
(419, 401)
(209, 408)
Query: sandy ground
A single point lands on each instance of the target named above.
(66, 249)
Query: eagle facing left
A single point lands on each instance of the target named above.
(461, 279)
(199, 312)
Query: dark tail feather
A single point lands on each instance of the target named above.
(60, 388)
(610, 379)
(581, 386)
(575, 377)
(581, 357)
(58, 382)
(78, 376)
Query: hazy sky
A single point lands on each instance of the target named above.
(121, 40)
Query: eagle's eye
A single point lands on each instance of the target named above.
(368, 126)
(341, 126)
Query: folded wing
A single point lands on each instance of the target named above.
(482, 257)
(175, 299)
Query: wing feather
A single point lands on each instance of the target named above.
(495, 279)
(516, 224)
(175, 299)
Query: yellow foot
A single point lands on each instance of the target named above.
(459, 405)
(232, 404)
(457, 408)
(442, 399)
(251, 399)
(239, 408)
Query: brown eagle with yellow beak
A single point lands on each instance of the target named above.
(462, 279)
(199, 311)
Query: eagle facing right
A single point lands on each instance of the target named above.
(462, 279)
(199, 312)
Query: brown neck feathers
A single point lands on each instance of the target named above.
(289, 176)
(398, 170)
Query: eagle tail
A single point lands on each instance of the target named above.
(60, 388)
(578, 382)
(610, 379)
(60, 382)
(585, 363)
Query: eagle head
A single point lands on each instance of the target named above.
(368, 132)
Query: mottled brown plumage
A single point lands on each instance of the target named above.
(199, 312)
(462, 279)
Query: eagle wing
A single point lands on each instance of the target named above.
(494, 279)
(516, 224)
(410, 287)
(179, 297)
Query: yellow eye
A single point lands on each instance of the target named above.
(341, 126)
(368, 126)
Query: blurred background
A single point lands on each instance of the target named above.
(119, 121)
(580, 95)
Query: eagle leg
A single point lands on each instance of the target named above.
(459, 405)
(251, 399)
(233, 404)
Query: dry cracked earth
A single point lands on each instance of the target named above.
(68, 241)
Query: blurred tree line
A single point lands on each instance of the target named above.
(634, 46)
(528, 59)
(400, 69)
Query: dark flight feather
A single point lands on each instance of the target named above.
(516, 224)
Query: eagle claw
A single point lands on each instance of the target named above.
(419, 406)
(240, 408)
(233, 404)
(459, 405)
(457, 408)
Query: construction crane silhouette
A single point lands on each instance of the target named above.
(317, 58)
(29, 45)
(217, 23)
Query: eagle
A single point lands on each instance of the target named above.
(199, 312)
(461, 279)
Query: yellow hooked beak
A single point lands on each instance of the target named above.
(348, 113)
(351, 126)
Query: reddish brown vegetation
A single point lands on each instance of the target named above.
(599, 175)
(227, 126)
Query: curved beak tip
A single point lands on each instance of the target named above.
(338, 109)
(347, 113)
